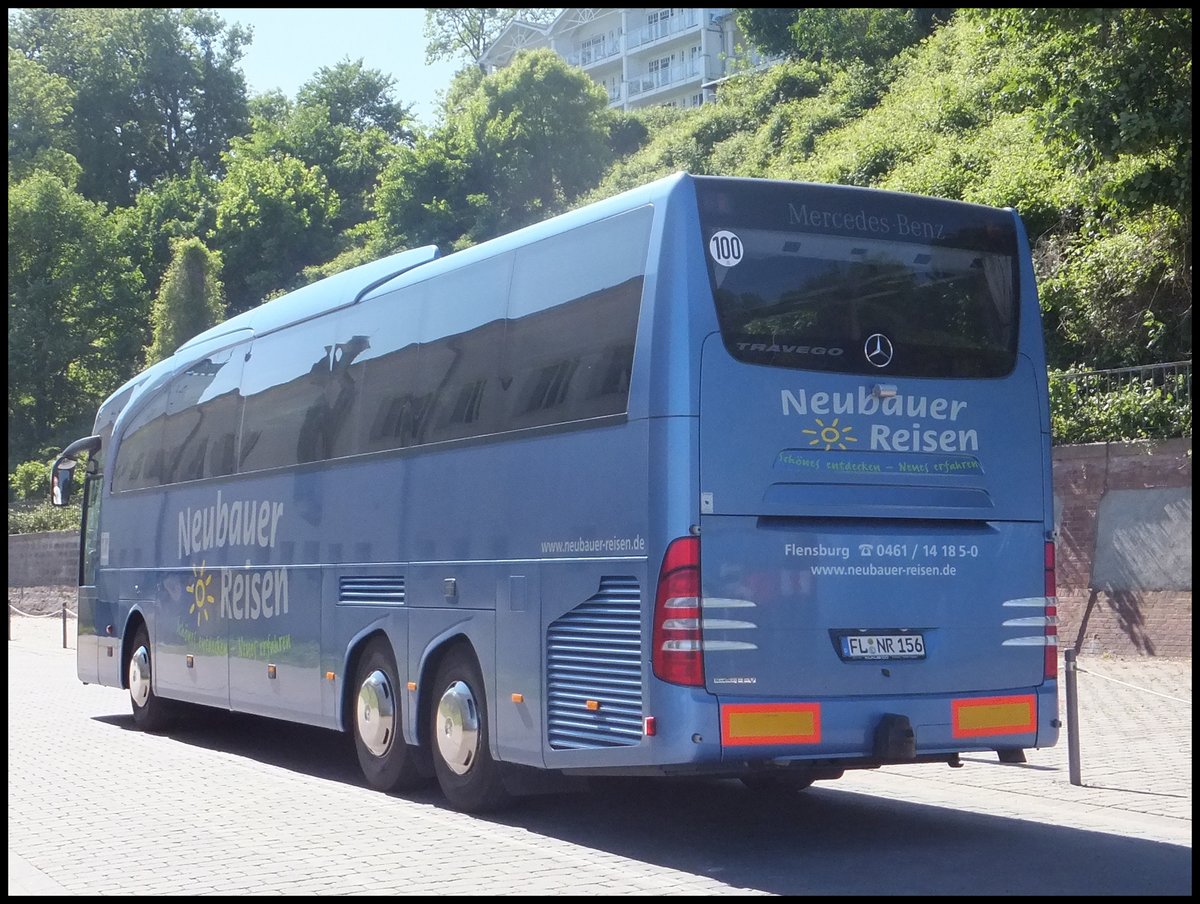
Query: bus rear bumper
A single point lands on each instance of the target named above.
(892, 730)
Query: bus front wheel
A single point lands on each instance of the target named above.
(386, 761)
(150, 711)
(462, 761)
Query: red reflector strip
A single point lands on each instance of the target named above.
(983, 716)
(770, 723)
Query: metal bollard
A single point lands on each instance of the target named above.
(1072, 717)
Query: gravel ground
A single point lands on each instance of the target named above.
(41, 600)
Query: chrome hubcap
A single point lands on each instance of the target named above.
(458, 728)
(376, 713)
(139, 676)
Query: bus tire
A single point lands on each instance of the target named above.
(150, 711)
(387, 762)
(458, 737)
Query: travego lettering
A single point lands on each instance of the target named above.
(243, 523)
(832, 351)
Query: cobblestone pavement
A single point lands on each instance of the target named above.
(231, 805)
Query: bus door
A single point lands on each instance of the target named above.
(65, 475)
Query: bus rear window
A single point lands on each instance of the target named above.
(863, 305)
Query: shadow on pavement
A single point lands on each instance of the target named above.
(821, 841)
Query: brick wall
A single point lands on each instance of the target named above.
(1124, 518)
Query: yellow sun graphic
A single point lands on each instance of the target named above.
(199, 590)
(831, 435)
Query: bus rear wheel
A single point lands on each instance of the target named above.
(462, 761)
(150, 712)
(386, 761)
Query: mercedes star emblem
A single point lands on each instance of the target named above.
(878, 349)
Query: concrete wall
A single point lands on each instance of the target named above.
(1124, 517)
(43, 559)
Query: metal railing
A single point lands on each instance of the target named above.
(673, 25)
(1174, 377)
(679, 72)
(597, 53)
(1114, 399)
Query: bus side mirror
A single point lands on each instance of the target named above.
(62, 478)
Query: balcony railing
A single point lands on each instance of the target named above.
(664, 28)
(673, 75)
(597, 53)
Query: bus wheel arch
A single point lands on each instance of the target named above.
(456, 713)
(373, 715)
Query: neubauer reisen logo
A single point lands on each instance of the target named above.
(925, 423)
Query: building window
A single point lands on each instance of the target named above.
(660, 71)
(659, 21)
(591, 50)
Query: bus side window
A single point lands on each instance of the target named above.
(573, 316)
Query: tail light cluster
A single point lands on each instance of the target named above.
(678, 655)
(1050, 671)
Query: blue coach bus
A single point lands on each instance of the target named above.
(719, 476)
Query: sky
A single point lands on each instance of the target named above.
(290, 45)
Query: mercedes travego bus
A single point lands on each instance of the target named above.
(719, 476)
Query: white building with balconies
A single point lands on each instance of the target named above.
(643, 57)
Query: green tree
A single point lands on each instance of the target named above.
(838, 34)
(516, 147)
(770, 30)
(75, 314)
(422, 195)
(538, 137)
(466, 33)
(274, 217)
(39, 103)
(191, 299)
(358, 98)
(1110, 83)
(174, 208)
(154, 89)
(345, 123)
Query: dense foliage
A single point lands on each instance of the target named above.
(130, 130)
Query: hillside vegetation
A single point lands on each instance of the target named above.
(133, 140)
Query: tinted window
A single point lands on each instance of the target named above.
(460, 355)
(861, 282)
(295, 401)
(573, 316)
(204, 412)
(462, 343)
(140, 457)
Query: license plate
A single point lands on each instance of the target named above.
(883, 646)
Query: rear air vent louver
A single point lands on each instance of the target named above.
(386, 590)
(594, 653)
